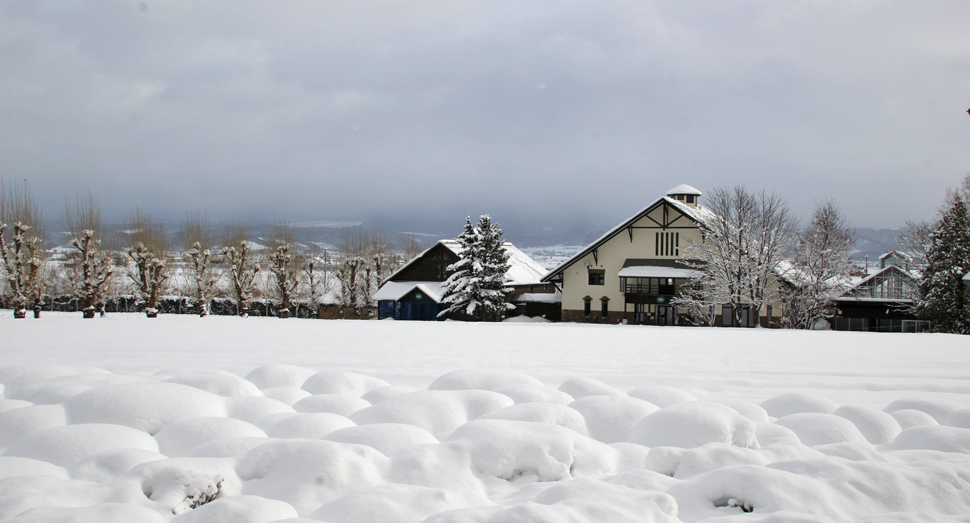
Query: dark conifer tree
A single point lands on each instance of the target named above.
(943, 298)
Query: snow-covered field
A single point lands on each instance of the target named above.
(123, 419)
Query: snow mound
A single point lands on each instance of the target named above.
(938, 409)
(610, 418)
(908, 418)
(270, 376)
(238, 509)
(688, 463)
(42, 371)
(334, 403)
(526, 319)
(177, 439)
(252, 408)
(468, 379)
(143, 406)
(71, 443)
(580, 500)
(542, 413)
(535, 394)
(390, 503)
(308, 473)
(309, 425)
(433, 410)
(632, 456)
(958, 418)
(384, 393)
(11, 467)
(582, 386)
(226, 448)
(111, 464)
(7, 404)
(878, 427)
(797, 403)
(343, 383)
(287, 395)
(178, 485)
(692, 424)
(100, 513)
(56, 389)
(522, 450)
(385, 437)
(218, 383)
(749, 410)
(943, 439)
(661, 396)
(821, 429)
(17, 423)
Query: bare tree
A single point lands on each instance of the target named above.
(243, 268)
(89, 268)
(745, 239)
(197, 239)
(285, 263)
(21, 249)
(410, 247)
(822, 267)
(148, 250)
(316, 275)
(350, 270)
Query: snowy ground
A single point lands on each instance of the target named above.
(123, 418)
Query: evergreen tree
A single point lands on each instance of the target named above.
(943, 299)
(476, 287)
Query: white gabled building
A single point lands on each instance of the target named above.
(634, 270)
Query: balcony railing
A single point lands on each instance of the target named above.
(646, 288)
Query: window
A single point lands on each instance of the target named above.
(690, 198)
(597, 277)
(604, 309)
(667, 244)
(587, 307)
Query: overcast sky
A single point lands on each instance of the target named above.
(558, 109)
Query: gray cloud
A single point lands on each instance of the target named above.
(559, 109)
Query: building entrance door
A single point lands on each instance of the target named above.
(665, 314)
(639, 312)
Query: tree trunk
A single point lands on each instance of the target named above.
(20, 313)
(88, 312)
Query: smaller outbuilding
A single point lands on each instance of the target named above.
(882, 301)
(414, 291)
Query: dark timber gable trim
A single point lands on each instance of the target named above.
(669, 221)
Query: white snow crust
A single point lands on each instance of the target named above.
(353, 421)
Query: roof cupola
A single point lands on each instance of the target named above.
(686, 194)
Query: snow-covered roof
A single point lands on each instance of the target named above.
(900, 254)
(523, 270)
(697, 214)
(646, 271)
(683, 189)
(966, 277)
(873, 275)
(395, 290)
(538, 297)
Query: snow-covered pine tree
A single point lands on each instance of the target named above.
(476, 287)
(943, 299)
(822, 267)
